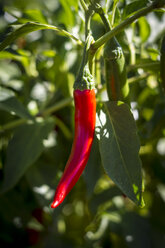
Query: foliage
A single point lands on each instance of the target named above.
(42, 43)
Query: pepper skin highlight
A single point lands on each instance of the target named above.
(85, 117)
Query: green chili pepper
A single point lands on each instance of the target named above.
(115, 72)
(114, 61)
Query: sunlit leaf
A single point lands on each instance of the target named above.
(133, 7)
(28, 28)
(68, 17)
(154, 53)
(119, 148)
(35, 15)
(144, 29)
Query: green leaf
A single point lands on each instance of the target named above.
(117, 17)
(41, 175)
(133, 7)
(26, 59)
(23, 150)
(119, 148)
(31, 27)
(90, 174)
(73, 3)
(159, 10)
(146, 65)
(154, 53)
(11, 104)
(116, 1)
(8, 55)
(68, 16)
(144, 28)
(5, 93)
(8, 71)
(35, 15)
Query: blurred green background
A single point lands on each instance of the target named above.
(38, 71)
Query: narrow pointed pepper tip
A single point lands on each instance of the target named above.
(55, 204)
(58, 199)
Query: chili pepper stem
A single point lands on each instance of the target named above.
(84, 6)
(58, 201)
(142, 12)
(98, 9)
(84, 79)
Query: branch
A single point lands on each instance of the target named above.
(57, 106)
(101, 41)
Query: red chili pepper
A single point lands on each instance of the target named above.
(85, 115)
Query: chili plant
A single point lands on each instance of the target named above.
(82, 115)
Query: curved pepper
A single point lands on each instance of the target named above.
(85, 115)
(115, 72)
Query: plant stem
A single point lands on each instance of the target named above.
(99, 10)
(83, 4)
(145, 65)
(13, 124)
(87, 23)
(98, 43)
(63, 127)
(91, 60)
(113, 13)
(88, 41)
(63, 103)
